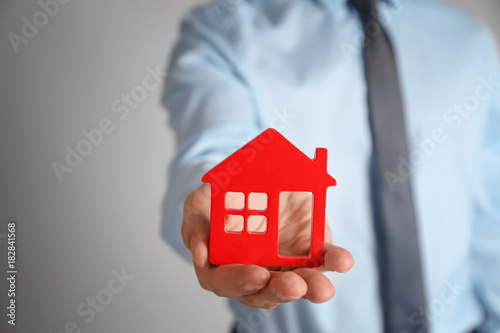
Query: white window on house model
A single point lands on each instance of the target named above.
(254, 205)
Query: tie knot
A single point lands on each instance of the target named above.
(364, 6)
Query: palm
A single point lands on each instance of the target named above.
(295, 223)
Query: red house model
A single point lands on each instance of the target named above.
(246, 189)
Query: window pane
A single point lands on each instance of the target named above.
(257, 224)
(233, 223)
(257, 201)
(235, 200)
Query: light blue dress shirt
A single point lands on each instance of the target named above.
(240, 67)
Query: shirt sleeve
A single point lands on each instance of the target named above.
(486, 236)
(210, 105)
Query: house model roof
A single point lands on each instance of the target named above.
(270, 162)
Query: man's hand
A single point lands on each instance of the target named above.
(257, 286)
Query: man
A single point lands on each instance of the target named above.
(299, 66)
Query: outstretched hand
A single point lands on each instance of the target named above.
(257, 286)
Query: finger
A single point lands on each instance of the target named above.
(337, 259)
(319, 287)
(199, 248)
(196, 225)
(328, 233)
(195, 233)
(283, 287)
(233, 281)
(193, 224)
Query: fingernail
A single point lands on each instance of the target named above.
(195, 259)
(279, 296)
(196, 262)
(251, 288)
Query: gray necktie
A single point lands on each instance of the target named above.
(402, 287)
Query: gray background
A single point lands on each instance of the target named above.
(105, 214)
